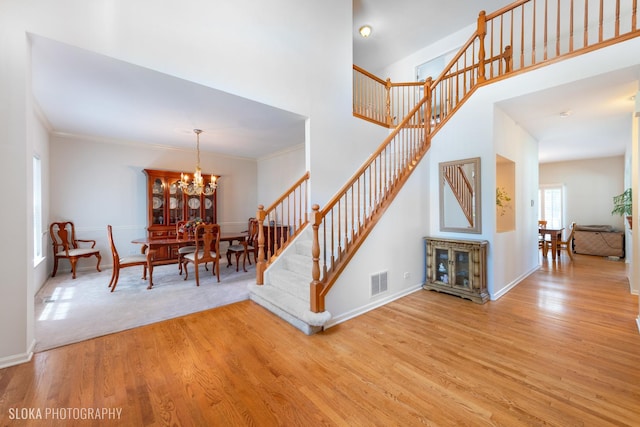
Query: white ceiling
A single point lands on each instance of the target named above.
(84, 93)
(585, 119)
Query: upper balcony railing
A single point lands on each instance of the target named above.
(383, 102)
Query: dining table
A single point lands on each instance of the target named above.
(555, 235)
(151, 245)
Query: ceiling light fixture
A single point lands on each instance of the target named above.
(197, 186)
(565, 114)
(365, 31)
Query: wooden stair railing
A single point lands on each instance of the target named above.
(525, 35)
(462, 189)
(383, 102)
(287, 216)
(524, 29)
(343, 224)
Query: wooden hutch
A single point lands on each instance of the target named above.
(167, 204)
(457, 267)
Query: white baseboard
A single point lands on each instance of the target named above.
(371, 306)
(513, 284)
(17, 359)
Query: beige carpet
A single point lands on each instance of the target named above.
(68, 311)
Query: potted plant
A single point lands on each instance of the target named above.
(622, 205)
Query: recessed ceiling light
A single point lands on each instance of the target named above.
(565, 114)
(365, 31)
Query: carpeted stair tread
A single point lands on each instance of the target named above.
(290, 308)
(290, 282)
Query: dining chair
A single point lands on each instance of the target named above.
(246, 247)
(567, 244)
(207, 250)
(123, 262)
(66, 246)
(541, 237)
(181, 232)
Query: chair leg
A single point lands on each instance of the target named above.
(113, 276)
(197, 275)
(73, 267)
(186, 270)
(116, 277)
(99, 259)
(55, 266)
(238, 261)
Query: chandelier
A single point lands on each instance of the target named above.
(197, 186)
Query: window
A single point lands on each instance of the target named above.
(37, 211)
(550, 202)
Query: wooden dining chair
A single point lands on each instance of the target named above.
(182, 232)
(124, 262)
(567, 244)
(66, 246)
(207, 250)
(246, 247)
(541, 239)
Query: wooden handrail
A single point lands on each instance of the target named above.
(511, 40)
(343, 224)
(288, 216)
(382, 102)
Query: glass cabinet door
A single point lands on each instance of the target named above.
(193, 207)
(442, 265)
(157, 202)
(462, 269)
(210, 209)
(176, 203)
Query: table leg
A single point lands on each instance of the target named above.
(554, 245)
(150, 253)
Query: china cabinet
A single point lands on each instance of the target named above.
(457, 267)
(167, 204)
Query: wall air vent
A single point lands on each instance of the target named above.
(378, 283)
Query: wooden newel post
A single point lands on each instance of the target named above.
(317, 302)
(262, 262)
(482, 32)
(388, 103)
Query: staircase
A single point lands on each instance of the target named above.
(515, 39)
(285, 291)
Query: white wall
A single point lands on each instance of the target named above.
(395, 245)
(589, 188)
(277, 172)
(516, 251)
(99, 182)
(289, 54)
(16, 151)
(404, 70)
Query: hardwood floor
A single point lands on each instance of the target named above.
(560, 349)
